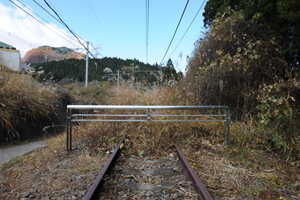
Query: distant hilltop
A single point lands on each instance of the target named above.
(47, 54)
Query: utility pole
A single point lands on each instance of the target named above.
(87, 64)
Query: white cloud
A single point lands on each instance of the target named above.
(18, 23)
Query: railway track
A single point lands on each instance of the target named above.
(147, 178)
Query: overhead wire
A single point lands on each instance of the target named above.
(188, 27)
(52, 16)
(102, 28)
(48, 22)
(48, 12)
(63, 23)
(175, 31)
(18, 38)
(69, 29)
(40, 22)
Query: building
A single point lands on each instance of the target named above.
(10, 56)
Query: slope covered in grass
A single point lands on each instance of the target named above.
(26, 106)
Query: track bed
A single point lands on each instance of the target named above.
(147, 178)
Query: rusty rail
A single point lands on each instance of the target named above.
(192, 175)
(90, 194)
(187, 170)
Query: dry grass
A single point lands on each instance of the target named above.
(21, 98)
(50, 173)
(229, 172)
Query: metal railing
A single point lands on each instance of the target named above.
(146, 117)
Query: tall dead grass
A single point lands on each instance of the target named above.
(21, 98)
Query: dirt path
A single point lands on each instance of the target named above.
(9, 153)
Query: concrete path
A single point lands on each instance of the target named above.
(12, 152)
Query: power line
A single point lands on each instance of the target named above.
(175, 31)
(66, 23)
(39, 21)
(69, 29)
(188, 28)
(103, 28)
(47, 22)
(52, 15)
(48, 12)
(147, 29)
(18, 38)
(61, 23)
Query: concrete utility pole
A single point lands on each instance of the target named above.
(87, 64)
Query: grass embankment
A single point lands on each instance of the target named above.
(25, 106)
(251, 171)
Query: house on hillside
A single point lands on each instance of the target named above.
(10, 56)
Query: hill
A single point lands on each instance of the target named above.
(74, 68)
(47, 54)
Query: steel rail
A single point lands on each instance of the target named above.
(188, 115)
(187, 170)
(130, 107)
(192, 175)
(91, 193)
(112, 115)
(106, 115)
(141, 120)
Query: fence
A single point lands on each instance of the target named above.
(146, 117)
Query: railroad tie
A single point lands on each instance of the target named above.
(147, 179)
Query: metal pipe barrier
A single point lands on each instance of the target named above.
(149, 115)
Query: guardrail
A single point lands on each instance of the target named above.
(148, 116)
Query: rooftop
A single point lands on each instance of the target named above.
(7, 46)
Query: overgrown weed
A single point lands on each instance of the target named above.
(21, 98)
(234, 171)
(144, 138)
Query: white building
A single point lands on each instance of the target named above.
(10, 56)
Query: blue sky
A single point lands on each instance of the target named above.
(124, 27)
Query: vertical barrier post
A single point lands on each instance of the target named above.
(148, 132)
(225, 126)
(67, 133)
(70, 120)
(228, 118)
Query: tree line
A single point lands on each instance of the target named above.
(74, 68)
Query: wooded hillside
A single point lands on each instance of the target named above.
(74, 68)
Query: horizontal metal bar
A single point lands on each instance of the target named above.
(112, 115)
(188, 120)
(106, 115)
(188, 115)
(108, 120)
(122, 107)
(141, 120)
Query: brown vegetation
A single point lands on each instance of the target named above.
(23, 101)
(239, 64)
(227, 171)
